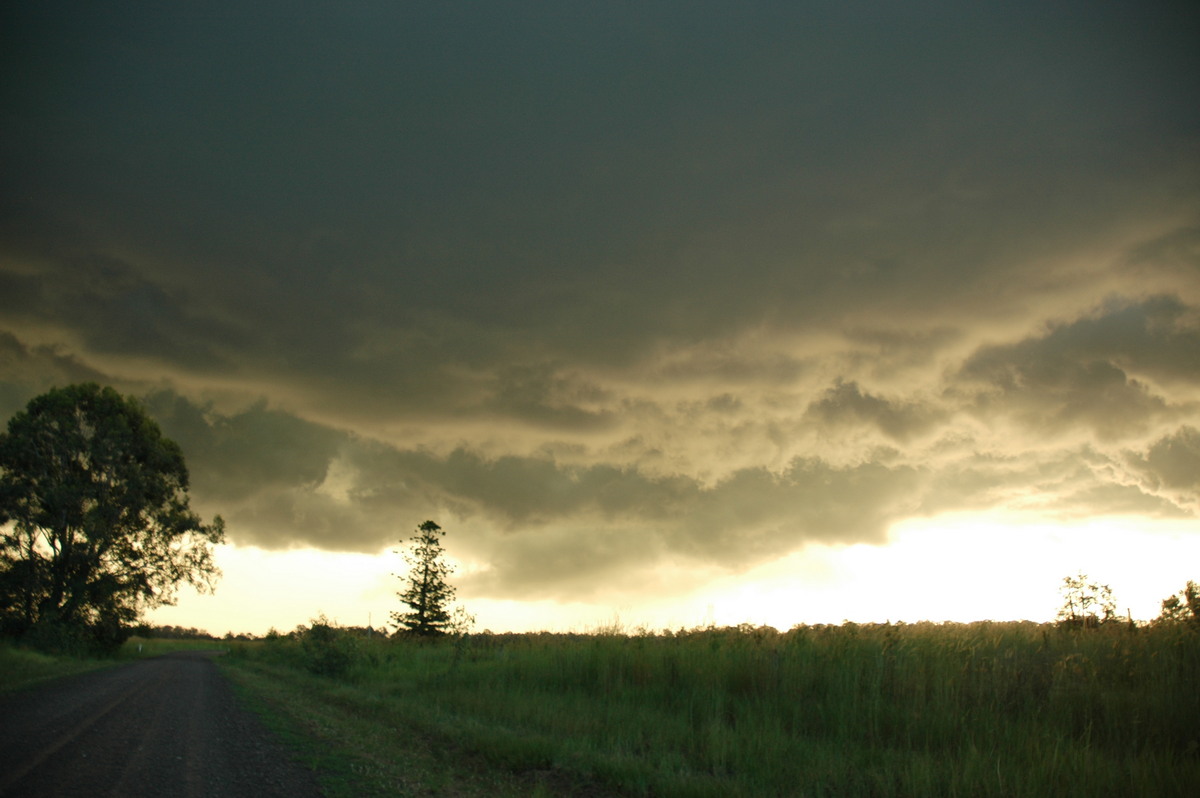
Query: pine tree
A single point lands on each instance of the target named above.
(427, 593)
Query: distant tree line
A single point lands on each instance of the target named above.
(168, 632)
(1087, 604)
(1182, 607)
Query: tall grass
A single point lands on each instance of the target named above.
(882, 710)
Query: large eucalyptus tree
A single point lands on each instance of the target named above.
(95, 525)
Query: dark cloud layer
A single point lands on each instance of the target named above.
(845, 403)
(614, 286)
(1086, 373)
(542, 526)
(1171, 466)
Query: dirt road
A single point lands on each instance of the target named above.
(164, 726)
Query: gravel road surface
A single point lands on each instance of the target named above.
(168, 726)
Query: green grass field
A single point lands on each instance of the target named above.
(884, 710)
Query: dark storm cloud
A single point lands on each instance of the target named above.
(585, 528)
(615, 286)
(539, 528)
(26, 370)
(236, 455)
(888, 354)
(845, 403)
(1177, 253)
(538, 395)
(553, 526)
(1086, 373)
(1155, 338)
(1175, 459)
(594, 176)
(115, 309)
(1171, 467)
(725, 365)
(276, 470)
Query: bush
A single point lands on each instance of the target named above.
(101, 638)
(328, 650)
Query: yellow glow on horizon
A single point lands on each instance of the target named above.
(261, 589)
(966, 568)
(950, 568)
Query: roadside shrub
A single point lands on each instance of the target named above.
(328, 650)
(99, 639)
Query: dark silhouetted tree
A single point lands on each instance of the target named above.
(427, 593)
(94, 520)
(1183, 606)
(1085, 603)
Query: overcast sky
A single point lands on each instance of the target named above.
(631, 298)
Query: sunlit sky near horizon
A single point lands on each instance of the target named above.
(669, 313)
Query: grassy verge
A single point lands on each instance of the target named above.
(22, 667)
(888, 710)
(360, 747)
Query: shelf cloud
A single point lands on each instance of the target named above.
(621, 295)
